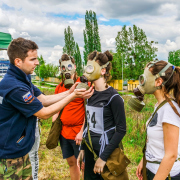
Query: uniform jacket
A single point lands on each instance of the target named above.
(18, 103)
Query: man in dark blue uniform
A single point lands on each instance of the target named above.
(20, 105)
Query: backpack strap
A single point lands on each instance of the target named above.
(160, 105)
(90, 142)
(172, 105)
(90, 147)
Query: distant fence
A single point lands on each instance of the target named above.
(50, 79)
(132, 84)
(116, 84)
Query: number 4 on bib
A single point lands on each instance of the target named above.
(93, 120)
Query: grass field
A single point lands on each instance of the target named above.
(52, 165)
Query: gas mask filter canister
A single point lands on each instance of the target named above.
(146, 86)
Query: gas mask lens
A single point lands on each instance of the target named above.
(63, 68)
(142, 79)
(69, 67)
(89, 69)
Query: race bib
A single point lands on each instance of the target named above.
(95, 119)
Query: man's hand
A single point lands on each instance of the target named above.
(88, 93)
(82, 93)
(80, 158)
(99, 165)
(73, 87)
(78, 138)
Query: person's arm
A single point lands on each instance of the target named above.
(85, 125)
(171, 138)
(117, 108)
(47, 100)
(78, 137)
(47, 112)
(54, 117)
(51, 99)
(139, 170)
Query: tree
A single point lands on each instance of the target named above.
(41, 62)
(133, 52)
(91, 35)
(43, 71)
(174, 57)
(69, 47)
(52, 70)
(77, 57)
(48, 70)
(116, 67)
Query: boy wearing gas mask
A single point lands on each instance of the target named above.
(162, 150)
(105, 115)
(72, 116)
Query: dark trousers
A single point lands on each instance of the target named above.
(89, 166)
(150, 176)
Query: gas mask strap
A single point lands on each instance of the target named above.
(70, 57)
(96, 56)
(162, 72)
(151, 64)
(105, 65)
(169, 76)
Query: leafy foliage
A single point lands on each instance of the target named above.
(48, 70)
(41, 62)
(72, 48)
(91, 34)
(174, 57)
(44, 71)
(133, 52)
(69, 47)
(78, 59)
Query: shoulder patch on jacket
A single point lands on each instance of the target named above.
(27, 96)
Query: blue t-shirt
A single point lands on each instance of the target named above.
(18, 103)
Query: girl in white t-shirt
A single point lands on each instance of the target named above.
(163, 132)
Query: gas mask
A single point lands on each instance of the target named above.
(147, 86)
(67, 68)
(92, 72)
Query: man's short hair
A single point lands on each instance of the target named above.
(19, 47)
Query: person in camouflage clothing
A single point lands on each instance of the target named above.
(15, 169)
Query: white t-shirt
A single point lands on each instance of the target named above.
(155, 139)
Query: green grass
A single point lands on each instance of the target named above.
(134, 139)
(52, 165)
(47, 90)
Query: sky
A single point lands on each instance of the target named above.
(44, 21)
